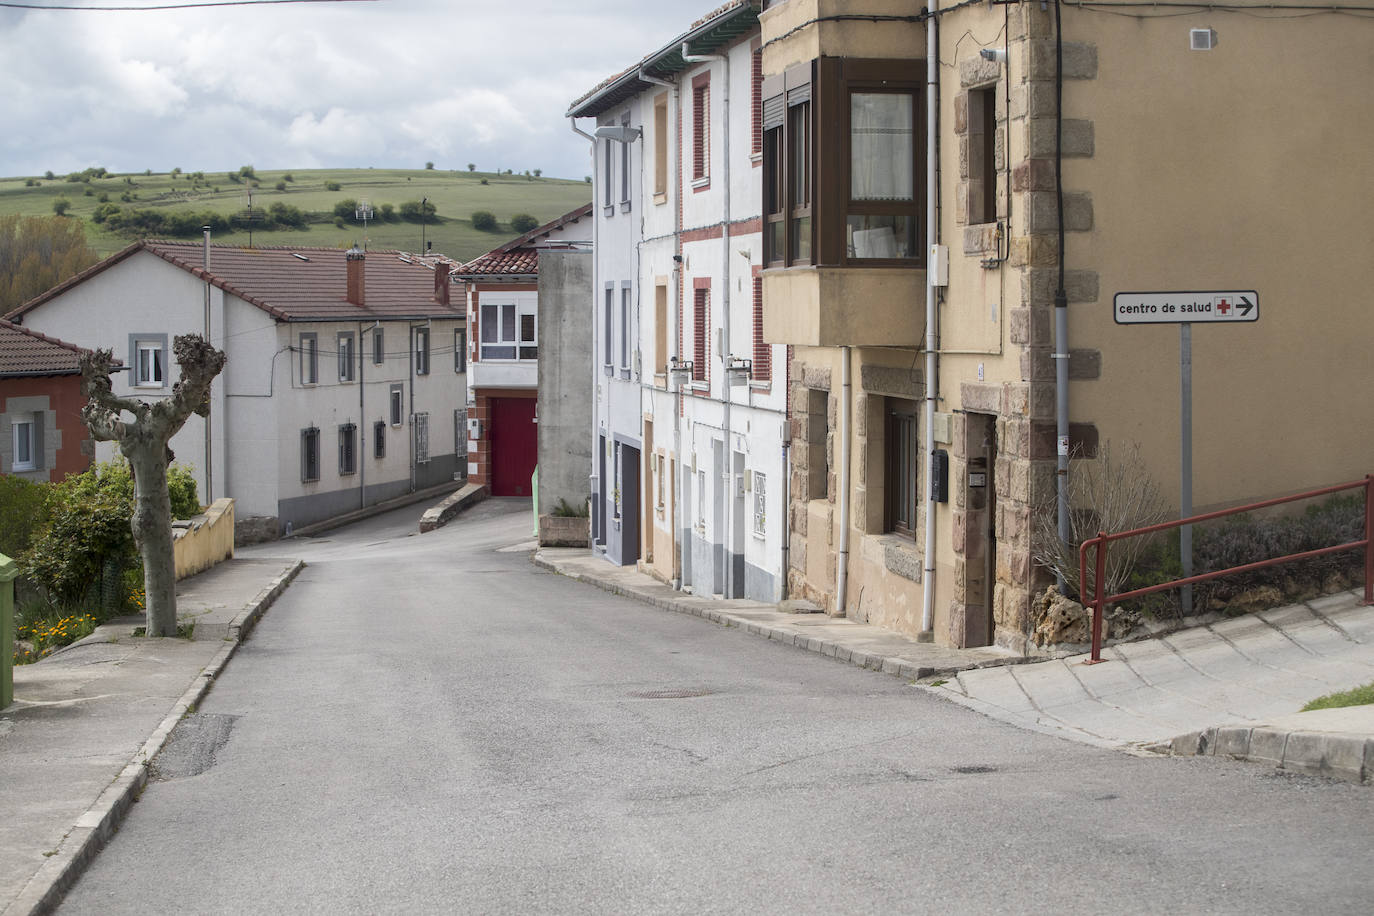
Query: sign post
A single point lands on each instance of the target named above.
(1186, 309)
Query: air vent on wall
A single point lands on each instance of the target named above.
(1202, 39)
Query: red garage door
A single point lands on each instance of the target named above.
(514, 446)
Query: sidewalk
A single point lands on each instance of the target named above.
(75, 744)
(1231, 688)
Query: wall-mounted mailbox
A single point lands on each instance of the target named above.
(939, 475)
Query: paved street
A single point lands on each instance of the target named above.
(432, 724)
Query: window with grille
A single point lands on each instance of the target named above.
(701, 128)
(348, 449)
(379, 439)
(460, 437)
(760, 503)
(422, 438)
(310, 454)
(701, 317)
(902, 451)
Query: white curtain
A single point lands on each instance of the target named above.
(880, 144)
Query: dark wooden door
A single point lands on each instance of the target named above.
(514, 446)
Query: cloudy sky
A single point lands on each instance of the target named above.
(387, 83)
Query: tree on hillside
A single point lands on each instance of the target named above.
(538, 173)
(37, 253)
(484, 220)
(472, 166)
(143, 440)
(523, 222)
(429, 165)
(61, 206)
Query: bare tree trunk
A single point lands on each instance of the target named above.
(143, 440)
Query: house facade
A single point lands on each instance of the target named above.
(340, 389)
(42, 435)
(690, 401)
(504, 313)
(966, 284)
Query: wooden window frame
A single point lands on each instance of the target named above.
(701, 330)
(661, 148)
(701, 131)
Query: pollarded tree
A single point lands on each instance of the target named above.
(143, 440)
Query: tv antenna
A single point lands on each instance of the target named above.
(364, 212)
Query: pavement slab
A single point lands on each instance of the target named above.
(85, 722)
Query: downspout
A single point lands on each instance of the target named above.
(842, 566)
(209, 440)
(596, 494)
(1061, 300)
(729, 471)
(932, 355)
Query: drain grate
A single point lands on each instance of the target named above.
(679, 693)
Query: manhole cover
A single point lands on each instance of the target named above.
(672, 694)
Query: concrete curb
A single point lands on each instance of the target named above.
(399, 502)
(708, 609)
(95, 827)
(1349, 758)
(440, 515)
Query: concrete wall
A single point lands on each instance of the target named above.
(204, 541)
(565, 377)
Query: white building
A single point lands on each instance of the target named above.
(344, 384)
(689, 476)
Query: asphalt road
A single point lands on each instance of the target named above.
(431, 724)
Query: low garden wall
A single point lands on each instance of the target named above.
(205, 540)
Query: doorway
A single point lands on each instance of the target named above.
(976, 628)
(514, 446)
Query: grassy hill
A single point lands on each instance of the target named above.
(454, 195)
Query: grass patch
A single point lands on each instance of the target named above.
(454, 194)
(1359, 696)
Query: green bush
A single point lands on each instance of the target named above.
(87, 542)
(484, 220)
(332, 186)
(523, 222)
(346, 208)
(23, 512)
(61, 206)
(281, 186)
(411, 210)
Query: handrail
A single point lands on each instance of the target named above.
(1103, 539)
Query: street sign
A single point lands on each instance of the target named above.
(1213, 306)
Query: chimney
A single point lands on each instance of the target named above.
(354, 259)
(441, 282)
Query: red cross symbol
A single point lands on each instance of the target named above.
(1224, 307)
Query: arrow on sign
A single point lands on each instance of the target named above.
(1246, 306)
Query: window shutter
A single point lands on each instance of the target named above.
(763, 354)
(773, 111)
(700, 319)
(756, 99)
(700, 126)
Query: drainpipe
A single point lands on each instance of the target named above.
(728, 534)
(932, 364)
(1061, 302)
(209, 454)
(842, 572)
(596, 265)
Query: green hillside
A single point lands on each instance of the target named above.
(453, 195)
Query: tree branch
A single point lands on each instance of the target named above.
(200, 363)
(95, 384)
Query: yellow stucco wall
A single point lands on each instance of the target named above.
(208, 542)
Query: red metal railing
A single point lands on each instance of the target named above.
(1103, 540)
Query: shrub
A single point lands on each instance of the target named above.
(61, 206)
(386, 212)
(484, 181)
(523, 222)
(411, 210)
(563, 510)
(104, 212)
(31, 183)
(286, 216)
(429, 165)
(23, 512)
(88, 193)
(288, 177)
(247, 171)
(234, 177)
(281, 186)
(484, 220)
(346, 208)
(332, 186)
(103, 198)
(472, 166)
(49, 175)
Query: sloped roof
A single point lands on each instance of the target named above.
(717, 29)
(28, 353)
(292, 284)
(519, 257)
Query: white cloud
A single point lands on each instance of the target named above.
(392, 83)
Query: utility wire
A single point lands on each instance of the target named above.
(161, 6)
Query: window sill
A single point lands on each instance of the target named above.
(625, 374)
(900, 555)
(660, 198)
(608, 211)
(701, 387)
(608, 371)
(660, 380)
(764, 387)
(701, 184)
(154, 386)
(756, 158)
(624, 206)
